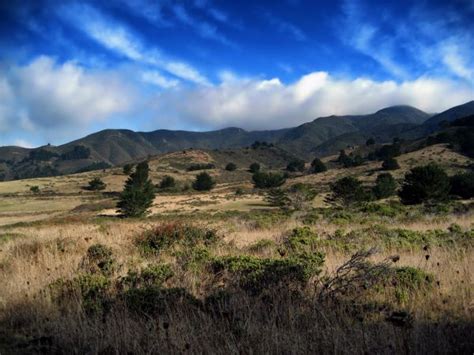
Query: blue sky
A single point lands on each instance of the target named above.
(69, 68)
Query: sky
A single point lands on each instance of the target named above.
(71, 68)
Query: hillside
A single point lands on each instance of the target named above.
(323, 136)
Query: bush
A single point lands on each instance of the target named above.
(254, 168)
(203, 182)
(268, 180)
(165, 236)
(98, 259)
(388, 151)
(127, 169)
(301, 239)
(462, 185)
(41, 155)
(138, 193)
(385, 186)
(277, 198)
(195, 167)
(152, 275)
(349, 161)
(231, 167)
(390, 164)
(317, 166)
(425, 184)
(35, 189)
(96, 184)
(167, 182)
(296, 165)
(348, 190)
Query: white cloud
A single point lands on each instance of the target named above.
(265, 104)
(45, 94)
(157, 79)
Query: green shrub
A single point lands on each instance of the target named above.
(152, 275)
(254, 168)
(98, 259)
(205, 166)
(96, 184)
(203, 182)
(296, 165)
(268, 180)
(427, 183)
(35, 189)
(385, 186)
(231, 167)
(277, 198)
(412, 278)
(127, 169)
(317, 166)
(301, 239)
(348, 190)
(165, 236)
(390, 164)
(167, 182)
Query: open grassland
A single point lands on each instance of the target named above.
(221, 272)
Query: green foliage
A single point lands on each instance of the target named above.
(127, 169)
(277, 198)
(35, 189)
(384, 210)
(203, 182)
(317, 166)
(98, 259)
(390, 164)
(254, 168)
(41, 155)
(388, 151)
(385, 186)
(412, 278)
(349, 161)
(301, 239)
(78, 152)
(165, 236)
(138, 193)
(152, 275)
(231, 167)
(348, 190)
(167, 182)
(261, 246)
(206, 166)
(296, 165)
(462, 185)
(255, 275)
(427, 183)
(96, 184)
(268, 180)
(465, 139)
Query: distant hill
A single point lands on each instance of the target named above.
(323, 136)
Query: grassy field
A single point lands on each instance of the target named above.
(221, 272)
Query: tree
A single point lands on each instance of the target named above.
(127, 169)
(390, 164)
(370, 141)
(96, 184)
(254, 168)
(462, 185)
(78, 152)
(348, 190)
(203, 182)
(268, 180)
(296, 165)
(277, 198)
(385, 186)
(317, 166)
(167, 182)
(230, 167)
(427, 183)
(388, 151)
(138, 193)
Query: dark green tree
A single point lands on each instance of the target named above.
(277, 198)
(263, 180)
(296, 165)
(254, 168)
(138, 193)
(390, 164)
(370, 141)
(35, 189)
(96, 184)
(317, 166)
(127, 169)
(385, 186)
(167, 182)
(427, 183)
(203, 182)
(462, 185)
(231, 167)
(348, 190)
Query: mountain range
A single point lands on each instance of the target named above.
(322, 136)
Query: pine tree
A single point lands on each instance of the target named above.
(277, 198)
(138, 193)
